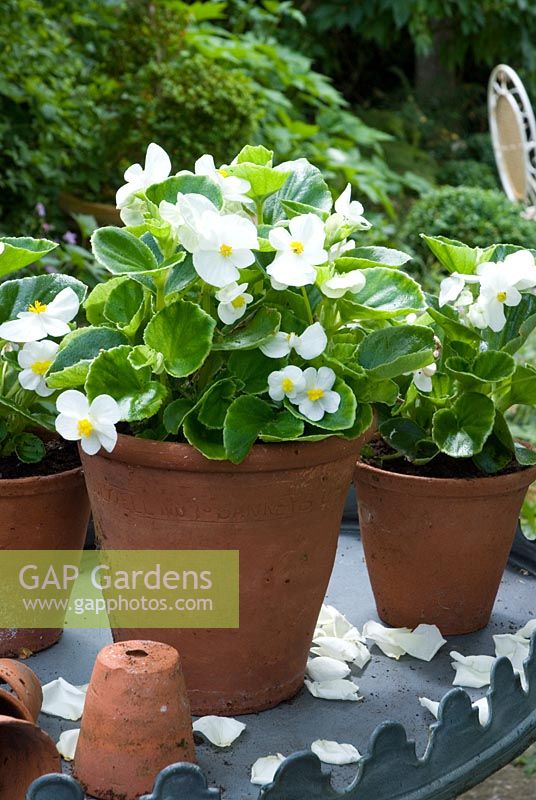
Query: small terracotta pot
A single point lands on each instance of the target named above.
(42, 513)
(136, 720)
(26, 698)
(26, 753)
(436, 548)
(281, 509)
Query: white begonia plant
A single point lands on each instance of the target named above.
(233, 302)
(233, 189)
(36, 358)
(298, 251)
(91, 424)
(40, 319)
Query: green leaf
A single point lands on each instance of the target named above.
(96, 300)
(454, 329)
(138, 396)
(456, 256)
(462, 430)
(377, 255)
(36, 420)
(121, 253)
(295, 209)
(521, 390)
(77, 351)
(212, 407)
(305, 184)
(405, 436)
(520, 322)
(390, 352)
(3, 430)
(498, 449)
(18, 295)
(285, 427)
(340, 420)
(244, 420)
(490, 366)
(258, 154)
(181, 276)
(363, 420)
(174, 414)
(265, 181)
(182, 332)
(255, 331)
(19, 251)
(252, 367)
(387, 293)
(525, 456)
(186, 184)
(208, 441)
(29, 448)
(127, 305)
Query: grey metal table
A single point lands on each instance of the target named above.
(462, 754)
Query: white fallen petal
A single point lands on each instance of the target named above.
(334, 690)
(516, 648)
(325, 668)
(326, 615)
(335, 648)
(221, 731)
(422, 643)
(384, 638)
(264, 769)
(333, 623)
(363, 655)
(334, 753)
(66, 746)
(472, 671)
(481, 705)
(528, 629)
(62, 699)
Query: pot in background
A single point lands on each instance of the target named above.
(136, 720)
(41, 513)
(281, 508)
(25, 699)
(436, 548)
(26, 753)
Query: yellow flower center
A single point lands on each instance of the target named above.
(287, 385)
(238, 302)
(85, 428)
(315, 394)
(501, 297)
(40, 367)
(297, 247)
(226, 250)
(223, 172)
(37, 307)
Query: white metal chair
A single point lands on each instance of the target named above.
(513, 133)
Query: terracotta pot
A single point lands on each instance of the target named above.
(26, 696)
(104, 213)
(436, 548)
(41, 513)
(281, 508)
(136, 720)
(26, 753)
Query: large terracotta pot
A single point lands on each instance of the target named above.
(436, 548)
(281, 508)
(42, 513)
(26, 753)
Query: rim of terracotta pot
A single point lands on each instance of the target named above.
(419, 485)
(40, 484)
(262, 458)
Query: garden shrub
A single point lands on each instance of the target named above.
(467, 172)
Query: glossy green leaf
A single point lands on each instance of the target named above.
(305, 184)
(456, 256)
(186, 184)
(393, 351)
(19, 251)
(285, 427)
(387, 256)
(405, 436)
(121, 253)
(96, 300)
(294, 209)
(175, 413)
(244, 420)
(182, 332)
(452, 327)
(525, 456)
(521, 390)
(212, 407)
(139, 397)
(255, 154)
(490, 366)
(387, 293)
(18, 295)
(35, 419)
(127, 305)
(340, 420)
(250, 333)
(29, 448)
(520, 322)
(181, 276)
(78, 349)
(498, 449)
(252, 367)
(461, 431)
(208, 441)
(264, 181)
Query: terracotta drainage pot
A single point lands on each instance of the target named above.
(136, 720)
(42, 513)
(436, 548)
(25, 699)
(26, 753)
(281, 508)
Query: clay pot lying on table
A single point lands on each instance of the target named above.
(136, 720)
(26, 753)
(281, 509)
(436, 548)
(41, 513)
(26, 698)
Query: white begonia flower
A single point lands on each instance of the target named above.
(475, 315)
(338, 689)
(93, 425)
(351, 210)
(264, 769)
(472, 671)
(335, 753)
(223, 246)
(287, 382)
(451, 288)
(35, 358)
(184, 216)
(279, 287)
(422, 378)
(527, 630)
(68, 743)
(520, 268)
(299, 250)
(43, 319)
(334, 648)
(326, 668)
(318, 398)
(233, 189)
(310, 344)
(157, 168)
(423, 642)
(220, 731)
(339, 284)
(500, 285)
(233, 302)
(482, 706)
(62, 699)
(516, 649)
